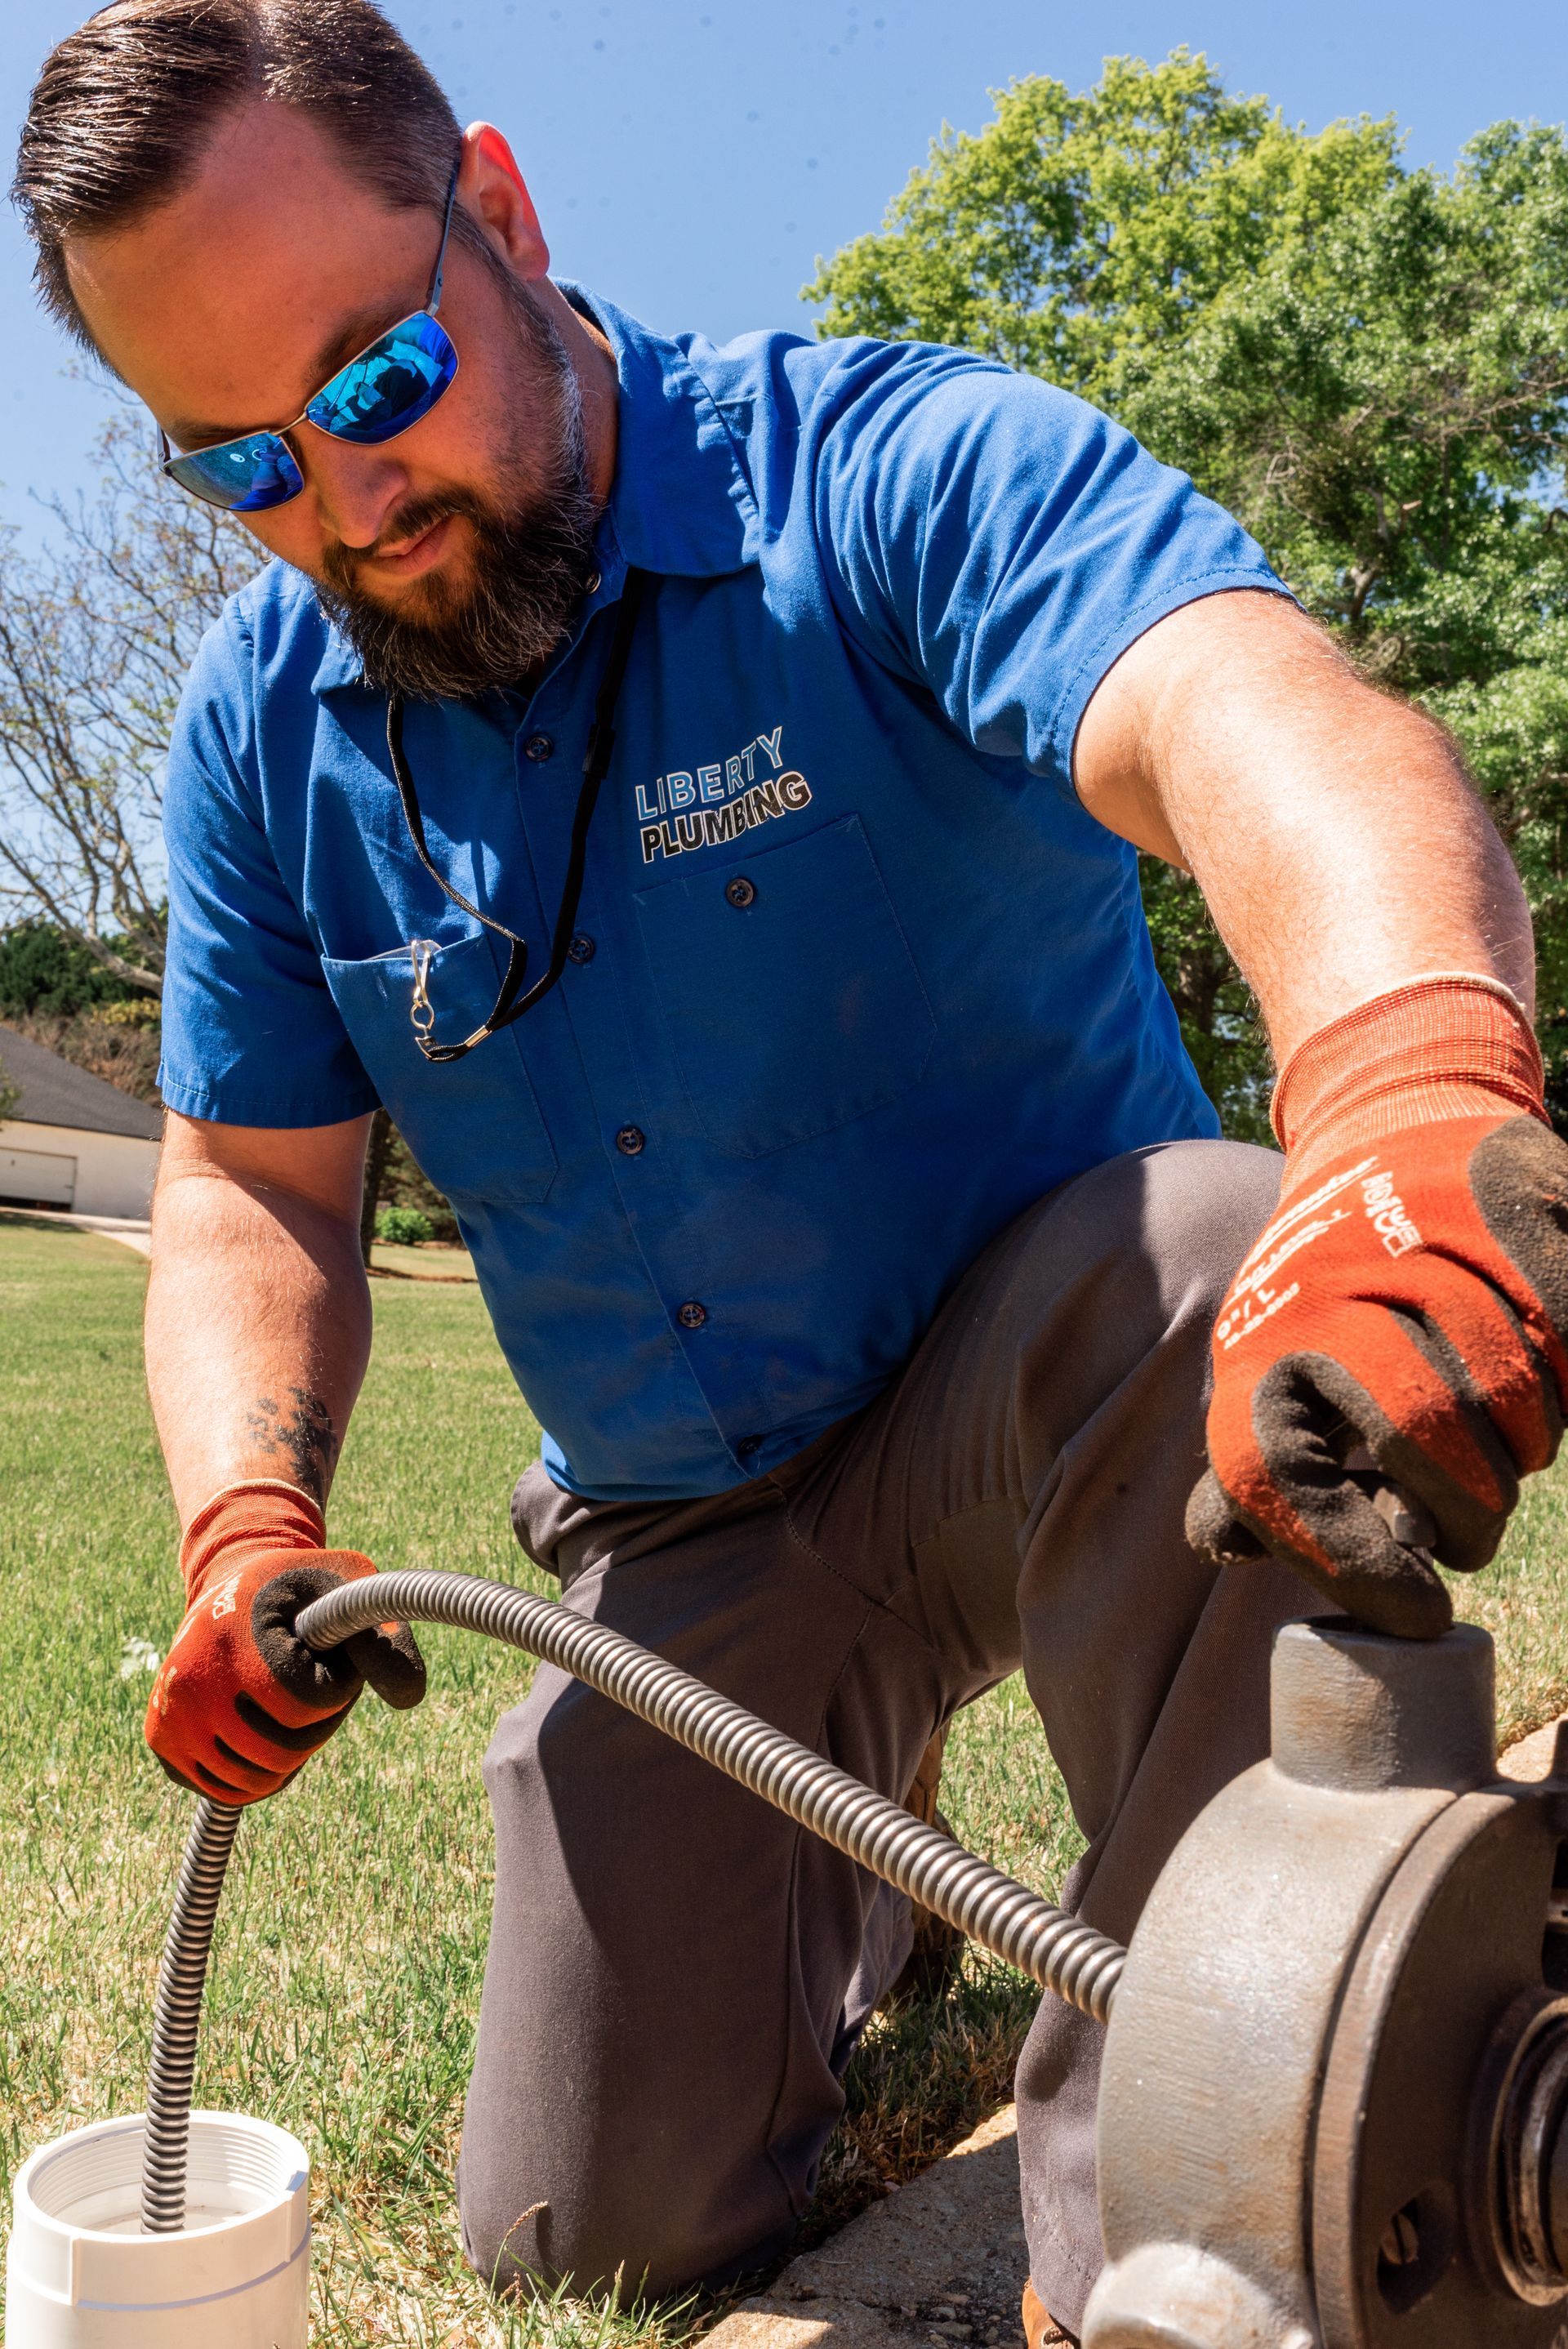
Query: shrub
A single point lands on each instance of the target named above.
(135, 1012)
(403, 1226)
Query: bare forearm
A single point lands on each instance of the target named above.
(258, 1331)
(1331, 828)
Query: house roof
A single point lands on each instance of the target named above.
(56, 1092)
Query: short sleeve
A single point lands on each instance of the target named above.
(251, 1034)
(1005, 543)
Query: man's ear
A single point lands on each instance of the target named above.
(494, 192)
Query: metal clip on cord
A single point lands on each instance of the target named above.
(509, 1004)
(422, 1011)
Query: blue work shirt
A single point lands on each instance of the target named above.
(857, 977)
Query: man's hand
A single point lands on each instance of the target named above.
(1408, 1300)
(239, 1703)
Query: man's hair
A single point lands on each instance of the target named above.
(125, 108)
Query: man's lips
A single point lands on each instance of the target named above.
(408, 558)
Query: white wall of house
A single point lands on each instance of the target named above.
(66, 1166)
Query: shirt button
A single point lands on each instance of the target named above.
(630, 1141)
(740, 891)
(538, 747)
(692, 1315)
(592, 588)
(582, 950)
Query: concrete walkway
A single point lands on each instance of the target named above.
(130, 1231)
(942, 2261)
(1532, 1758)
(938, 2264)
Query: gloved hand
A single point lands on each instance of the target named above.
(1409, 1300)
(239, 1703)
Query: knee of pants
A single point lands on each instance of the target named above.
(1162, 1233)
(1206, 1202)
(528, 2255)
(623, 2111)
(1127, 1265)
(1193, 1209)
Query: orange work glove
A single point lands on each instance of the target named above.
(239, 1703)
(1409, 1301)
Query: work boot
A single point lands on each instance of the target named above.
(1041, 2330)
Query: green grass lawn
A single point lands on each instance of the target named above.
(426, 1262)
(351, 1942)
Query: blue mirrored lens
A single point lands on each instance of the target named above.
(389, 386)
(245, 476)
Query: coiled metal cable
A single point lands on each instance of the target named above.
(1070, 1958)
(177, 2015)
(1053, 1948)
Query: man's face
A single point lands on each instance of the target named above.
(453, 556)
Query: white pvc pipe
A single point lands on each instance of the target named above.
(80, 2273)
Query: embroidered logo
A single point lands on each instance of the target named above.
(701, 809)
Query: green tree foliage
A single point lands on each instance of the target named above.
(1368, 365)
(61, 994)
(43, 970)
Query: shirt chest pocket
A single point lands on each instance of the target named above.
(791, 997)
(474, 1124)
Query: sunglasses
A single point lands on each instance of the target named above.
(382, 391)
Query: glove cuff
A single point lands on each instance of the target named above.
(259, 1508)
(1452, 1044)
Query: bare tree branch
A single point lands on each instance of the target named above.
(96, 636)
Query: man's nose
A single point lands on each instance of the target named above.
(357, 490)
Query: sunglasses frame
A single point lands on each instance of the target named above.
(170, 457)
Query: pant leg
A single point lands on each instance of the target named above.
(677, 1972)
(1039, 1453)
(1017, 1496)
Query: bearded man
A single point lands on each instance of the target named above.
(843, 1198)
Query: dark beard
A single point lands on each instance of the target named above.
(532, 552)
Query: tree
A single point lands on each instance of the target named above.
(1367, 365)
(42, 970)
(96, 637)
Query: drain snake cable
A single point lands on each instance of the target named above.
(1054, 1949)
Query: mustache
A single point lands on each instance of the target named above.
(497, 620)
(341, 565)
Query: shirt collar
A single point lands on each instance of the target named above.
(681, 503)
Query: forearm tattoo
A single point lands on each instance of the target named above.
(302, 1434)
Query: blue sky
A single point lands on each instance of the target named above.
(692, 158)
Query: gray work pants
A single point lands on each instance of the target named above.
(677, 1973)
